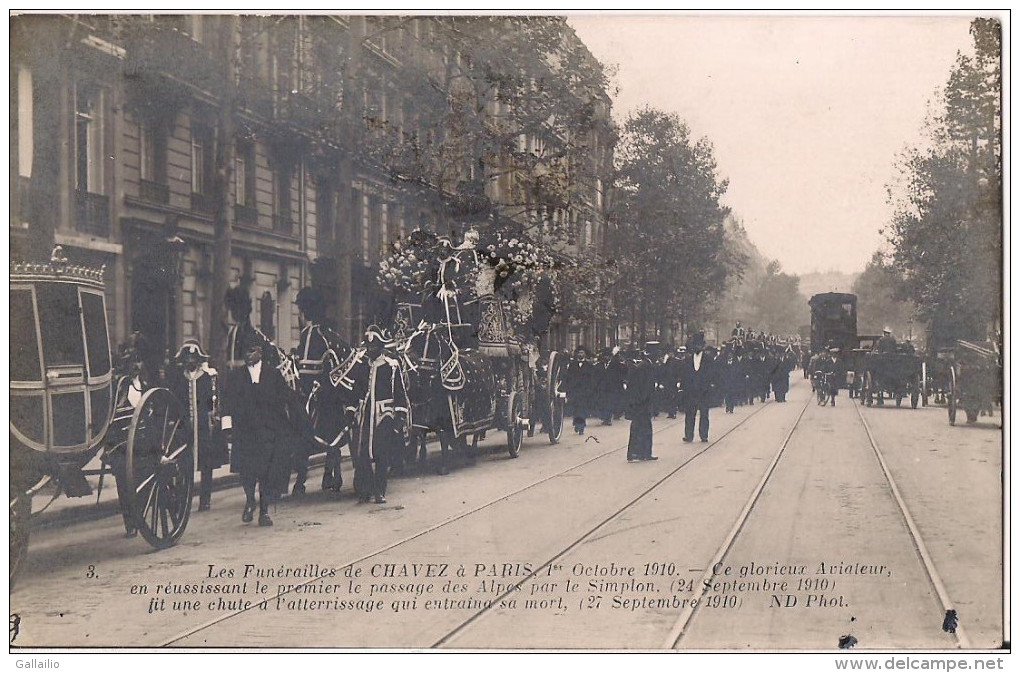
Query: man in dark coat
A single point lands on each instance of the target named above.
(578, 381)
(734, 379)
(195, 385)
(256, 417)
(785, 362)
(641, 386)
(698, 379)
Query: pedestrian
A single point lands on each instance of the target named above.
(734, 379)
(381, 429)
(834, 368)
(195, 384)
(641, 387)
(256, 419)
(698, 381)
(578, 381)
(785, 362)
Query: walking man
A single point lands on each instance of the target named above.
(698, 378)
(256, 421)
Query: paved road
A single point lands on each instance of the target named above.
(571, 546)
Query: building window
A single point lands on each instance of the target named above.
(282, 179)
(152, 148)
(244, 174)
(201, 159)
(25, 140)
(88, 139)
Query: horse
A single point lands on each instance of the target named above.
(452, 392)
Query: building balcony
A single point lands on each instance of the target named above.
(160, 48)
(92, 213)
(202, 203)
(246, 215)
(297, 109)
(155, 192)
(283, 224)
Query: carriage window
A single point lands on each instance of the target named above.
(60, 325)
(96, 339)
(24, 344)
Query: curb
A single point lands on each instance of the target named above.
(90, 511)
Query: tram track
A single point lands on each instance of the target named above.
(453, 519)
(682, 625)
(465, 624)
(924, 556)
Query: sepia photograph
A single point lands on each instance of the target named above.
(509, 332)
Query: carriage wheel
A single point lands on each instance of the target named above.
(160, 470)
(514, 425)
(952, 396)
(555, 418)
(20, 515)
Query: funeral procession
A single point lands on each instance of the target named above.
(480, 332)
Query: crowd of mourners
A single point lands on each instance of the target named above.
(639, 384)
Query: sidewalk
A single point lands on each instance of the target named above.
(65, 511)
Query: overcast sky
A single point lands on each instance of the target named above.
(807, 114)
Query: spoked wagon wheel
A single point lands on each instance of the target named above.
(160, 468)
(514, 425)
(556, 403)
(555, 417)
(20, 514)
(952, 396)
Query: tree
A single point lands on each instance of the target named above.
(946, 230)
(779, 307)
(670, 236)
(880, 302)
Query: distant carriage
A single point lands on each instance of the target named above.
(833, 321)
(898, 375)
(975, 379)
(67, 406)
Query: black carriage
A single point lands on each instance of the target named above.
(974, 371)
(833, 321)
(67, 407)
(897, 375)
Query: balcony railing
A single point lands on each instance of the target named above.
(92, 213)
(246, 215)
(283, 224)
(153, 47)
(202, 203)
(154, 191)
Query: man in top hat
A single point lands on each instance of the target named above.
(697, 380)
(194, 383)
(578, 384)
(256, 419)
(382, 416)
(887, 342)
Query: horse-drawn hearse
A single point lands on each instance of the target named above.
(67, 406)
